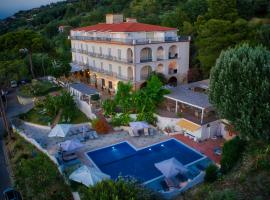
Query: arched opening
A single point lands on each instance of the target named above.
(173, 52)
(145, 72)
(130, 73)
(160, 53)
(146, 55)
(172, 68)
(143, 85)
(129, 55)
(172, 81)
(160, 68)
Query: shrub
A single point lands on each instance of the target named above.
(148, 117)
(101, 126)
(211, 173)
(121, 120)
(226, 194)
(231, 153)
(109, 107)
(118, 190)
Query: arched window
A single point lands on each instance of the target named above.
(146, 55)
(145, 72)
(160, 53)
(173, 52)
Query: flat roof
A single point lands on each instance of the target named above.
(186, 94)
(83, 88)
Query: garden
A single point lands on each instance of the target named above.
(36, 176)
(143, 102)
(53, 109)
(38, 88)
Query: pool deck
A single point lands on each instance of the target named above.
(205, 147)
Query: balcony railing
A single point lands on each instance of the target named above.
(107, 57)
(172, 71)
(146, 59)
(132, 41)
(103, 71)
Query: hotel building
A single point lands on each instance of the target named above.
(128, 51)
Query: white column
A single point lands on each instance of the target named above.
(202, 116)
(176, 106)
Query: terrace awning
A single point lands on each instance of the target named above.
(88, 175)
(70, 145)
(188, 125)
(171, 167)
(60, 130)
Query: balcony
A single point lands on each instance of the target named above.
(133, 41)
(173, 56)
(105, 72)
(172, 71)
(148, 59)
(103, 56)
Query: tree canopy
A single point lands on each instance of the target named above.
(239, 89)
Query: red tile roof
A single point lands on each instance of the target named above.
(124, 27)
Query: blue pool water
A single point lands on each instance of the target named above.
(122, 159)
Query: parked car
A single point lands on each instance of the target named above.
(11, 194)
(13, 84)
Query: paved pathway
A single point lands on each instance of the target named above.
(206, 147)
(13, 109)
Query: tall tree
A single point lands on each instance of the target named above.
(239, 89)
(26, 41)
(225, 9)
(216, 35)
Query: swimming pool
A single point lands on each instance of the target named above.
(125, 160)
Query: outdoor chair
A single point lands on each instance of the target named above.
(151, 131)
(146, 131)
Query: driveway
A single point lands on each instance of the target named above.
(13, 109)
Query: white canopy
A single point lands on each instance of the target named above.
(171, 167)
(60, 130)
(70, 145)
(138, 125)
(88, 175)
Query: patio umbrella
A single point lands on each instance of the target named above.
(70, 145)
(171, 167)
(88, 175)
(60, 130)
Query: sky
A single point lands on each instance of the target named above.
(10, 7)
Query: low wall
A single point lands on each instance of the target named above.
(37, 145)
(25, 100)
(168, 122)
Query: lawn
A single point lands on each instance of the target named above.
(37, 115)
(38, 88)
(36, 176)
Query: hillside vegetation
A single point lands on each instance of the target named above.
(214, 26)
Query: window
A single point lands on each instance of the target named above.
(119, 54)
(110, 67)
(94, 63)
(100, 50)
(119, 70)
(81, 46)
(110, 85)
(101, 66)
(109, 51)
(103, 82)
(93, 49)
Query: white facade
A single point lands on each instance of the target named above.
(130, 56)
